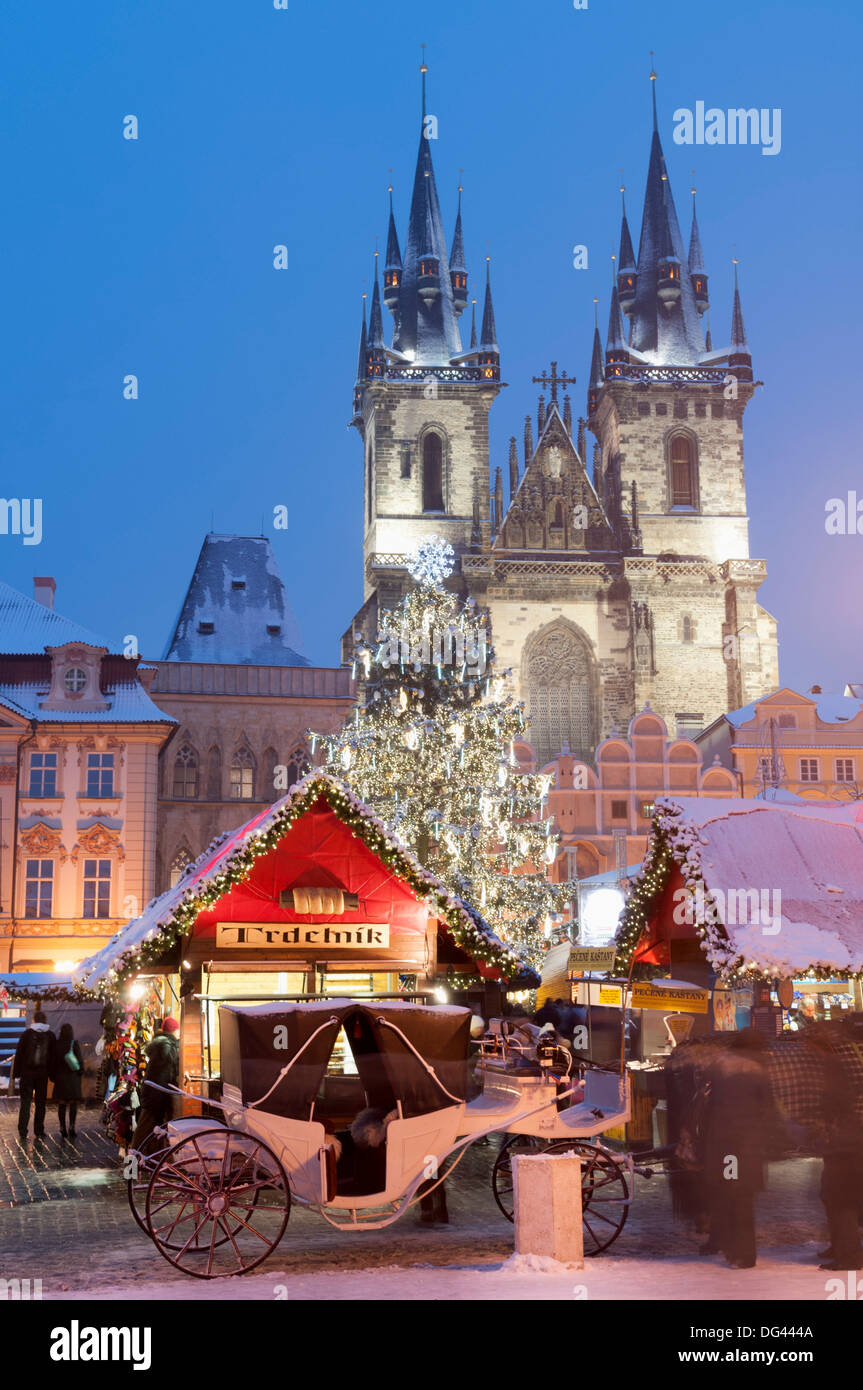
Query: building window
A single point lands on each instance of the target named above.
(557, 517)
(370, 465)
(682, 472)
(100, 774)
(809, 770)
(560, 693)
(43, 774)
(242, 776)
(844, 769)
(406, 463)
(185, 774)
(687, 629)
(75, 680)
(787, 721)
(647, 809)
(688, 725)
(39, 888)
(618, 810)
(298, 765)
(433, 473)
(97, 888)
(179, 864)
(644, 407)
(214, 774)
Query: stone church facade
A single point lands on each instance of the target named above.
(610, 585)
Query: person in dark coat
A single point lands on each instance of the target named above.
(737, 1118)
(841, 1145)
(66, 1074)
(34, 1058)
(163, 1069)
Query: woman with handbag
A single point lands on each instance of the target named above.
(68, 1070)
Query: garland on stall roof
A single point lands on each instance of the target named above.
(462, 922)
(44, 994)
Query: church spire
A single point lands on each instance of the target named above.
(473, 341)
(597, 373)
(427, 325)
(488, 339)
(513, 468)
(738, 332)
(393, 262)
(457, 266)
(361, 368)
(375, 349)
(697, 273)
(626, 272)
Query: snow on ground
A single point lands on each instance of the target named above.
(789, 1274)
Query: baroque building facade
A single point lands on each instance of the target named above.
(243, 698)
(610, 584)
(79, 748)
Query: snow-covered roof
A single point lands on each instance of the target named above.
(831, 709)
(232, 852)
(236, 611)
(28, 627)
(127, 703)
(792, 870)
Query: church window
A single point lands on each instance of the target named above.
(681, 410)
(185, 774)
(557, 518)
(406, 463)
(661, 408)
(214, 774)
(687, 629)
(700, 409)
(717, 410)
(242, 776)
(644, 407)
(560, 694)
(433, 473)
(298, 765)
(370, 464)
(682, 472)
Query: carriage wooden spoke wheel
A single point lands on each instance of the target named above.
(217, 1204)
(137, 1188)
(604, 1189)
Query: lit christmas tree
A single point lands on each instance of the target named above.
(431, 749)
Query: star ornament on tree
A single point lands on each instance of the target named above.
(432, 562)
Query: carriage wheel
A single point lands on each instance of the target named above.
(217, 1204)
(138, 1187)
(604, 1189)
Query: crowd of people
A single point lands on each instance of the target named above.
(41, 1057)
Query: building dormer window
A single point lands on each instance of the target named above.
(206, 629)
(238, 585)
(274, 629)
(75, 680)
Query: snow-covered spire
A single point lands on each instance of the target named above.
(488, 340)
(597, 369)
(393, 263)
(738, 332)
(457, 265)
(361, 369)
(697, 273)
(473, 339)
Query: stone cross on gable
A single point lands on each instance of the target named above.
(553, 380)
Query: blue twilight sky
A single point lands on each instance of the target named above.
(261, 126)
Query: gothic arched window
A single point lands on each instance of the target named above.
(185, 787)
(242, 776)
(214, 774)
(433, 473)
(557, 515)
(558, 677)
(682, 472)
(687, 629)
(180, 862)
(298, 764)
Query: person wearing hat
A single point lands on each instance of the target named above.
(163, 1069)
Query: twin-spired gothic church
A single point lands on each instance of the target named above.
(613, 582)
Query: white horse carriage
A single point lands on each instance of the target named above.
(216, 1198)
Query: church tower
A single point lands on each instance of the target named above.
(667, 411)
(421, 404)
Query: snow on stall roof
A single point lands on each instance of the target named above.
(218, 856)
(804, 860)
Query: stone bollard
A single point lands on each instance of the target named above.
(547, 1192)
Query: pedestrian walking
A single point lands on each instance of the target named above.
(737, 1116)
(34, 1058)
(163, 1069)
(67, 1074)
(841, 1141)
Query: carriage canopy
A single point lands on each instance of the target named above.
(408, 1053)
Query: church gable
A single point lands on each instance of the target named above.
(555, 507)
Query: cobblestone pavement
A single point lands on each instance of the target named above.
(64, 1218)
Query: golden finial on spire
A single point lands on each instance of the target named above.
(652, 67)
(423, 67)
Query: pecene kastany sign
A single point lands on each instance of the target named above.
(369, 936)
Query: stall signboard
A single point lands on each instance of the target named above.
(592, 958)
(371, 936)
(691, 1001)
(610, 995)
(834, 986)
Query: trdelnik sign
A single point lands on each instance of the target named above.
(253, 935)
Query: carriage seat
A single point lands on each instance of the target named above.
(605, 1103)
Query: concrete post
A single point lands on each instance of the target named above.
(547, 1192)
